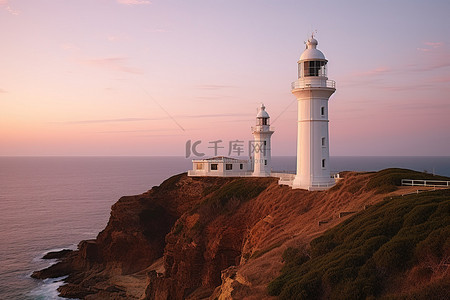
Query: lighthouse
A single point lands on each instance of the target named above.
(313, 90)
(260, 148)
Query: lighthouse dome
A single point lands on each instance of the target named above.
(311, 52)
(262, 113)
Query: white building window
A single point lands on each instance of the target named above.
(199, 166)
(229, 167)
(241, 166)
(214, 167)
(323, 163)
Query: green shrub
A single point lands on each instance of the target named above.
(294, 256)
(170, 183)
(243, 189)
(388, 180)
(356, 259)
(435, 245)
(394, 255)
(419, 214)
(229, 196)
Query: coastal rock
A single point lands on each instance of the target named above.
(133, 239)
(54, 271)
(57, 254)
(201, 238)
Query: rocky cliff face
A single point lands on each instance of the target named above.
(196, 238)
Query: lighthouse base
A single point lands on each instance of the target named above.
(316, 184)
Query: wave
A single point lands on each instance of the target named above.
(48, 289)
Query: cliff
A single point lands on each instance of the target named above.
(218, 238)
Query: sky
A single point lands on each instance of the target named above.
(137, 77)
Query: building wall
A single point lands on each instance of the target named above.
(221, 168)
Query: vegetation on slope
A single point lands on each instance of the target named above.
(367, 254)
(232, 193)
(387, 180)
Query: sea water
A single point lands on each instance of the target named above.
(52, 203)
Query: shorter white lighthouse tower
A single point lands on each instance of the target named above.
(260, 148)
(312, 90)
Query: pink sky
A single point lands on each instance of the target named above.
(131, 77)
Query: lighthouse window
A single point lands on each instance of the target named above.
(229, 167)
(314, 68)
(214, 167)
(265, 162)
(323, 142)
(323, 163)
(322, 111)
(264, 121)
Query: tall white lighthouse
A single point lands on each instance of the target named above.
(260, 148)
(312, 90)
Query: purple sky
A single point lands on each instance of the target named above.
(130, 77)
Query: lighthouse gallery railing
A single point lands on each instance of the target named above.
(301, 84)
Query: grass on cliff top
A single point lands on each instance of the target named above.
(228, 196)
(170, 183)
(388, 180)
(358, 258)
(243, 189)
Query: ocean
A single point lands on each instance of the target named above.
(51, 203)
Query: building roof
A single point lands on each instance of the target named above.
(221, 159)
(262, 113)
(311, 52)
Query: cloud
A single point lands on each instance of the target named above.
(212, 116)
(434, 55)
(434, 45)
(374, 72)
(137, 131)
(113, 38)
(133, 2)
(431, 59)
(69, 47)
(113, 63)
(5, 4)
(441, 79)
(430, 46)
(122, 120)
(210, 97)
(213, 86)
(411, 107)
(401, 88)
(428, 67)
(116, 38)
